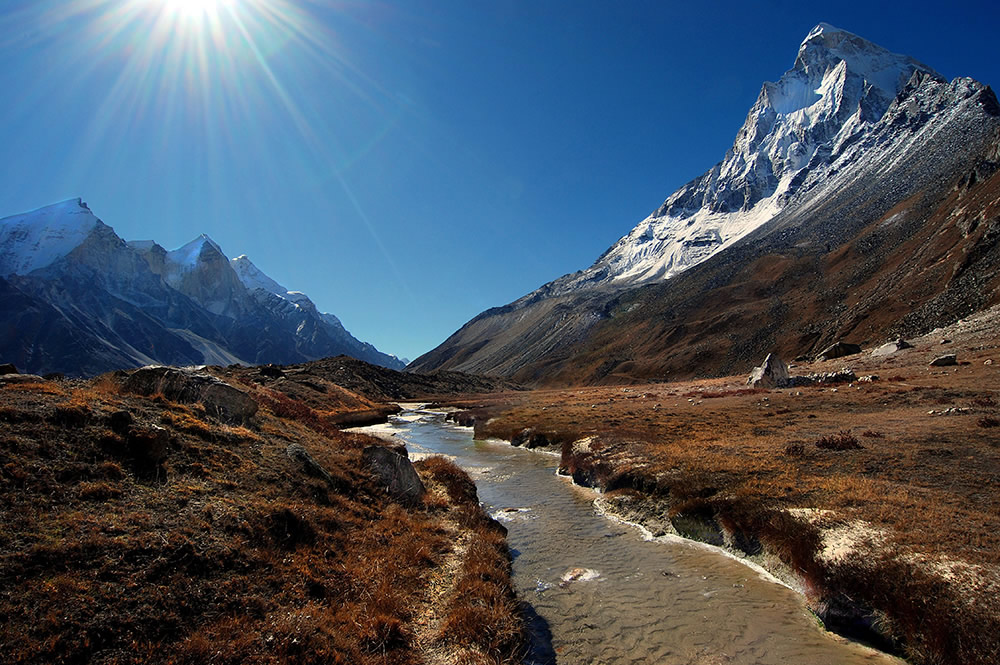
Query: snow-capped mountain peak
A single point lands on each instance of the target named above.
(800, 129)
(826, 46)
(190, 254)
(36, 239)
(253, 278)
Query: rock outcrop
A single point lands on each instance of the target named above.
(529, 437)
(946, 360)
(394, 472)
(839, 350)
(892, 347)
(225, 402)
(773, 373)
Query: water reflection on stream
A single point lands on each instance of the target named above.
(650, 603)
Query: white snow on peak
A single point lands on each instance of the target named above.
(198, 269)
(188, 255)
(36, 239)
(253, 278)
(826, 46)
(838, 89)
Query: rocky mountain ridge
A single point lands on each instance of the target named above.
(80, 300)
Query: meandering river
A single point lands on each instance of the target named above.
(634, 600)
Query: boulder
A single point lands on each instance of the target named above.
(309, 464)
(142, 449)
(773, 373)
(890, 348)
(227, 403)
(120, 422)
(8, 368)
(839, 350)
(945, 361)
(394, 472)
(147, 448)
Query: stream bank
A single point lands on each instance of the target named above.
(852, 578)
(607, 595)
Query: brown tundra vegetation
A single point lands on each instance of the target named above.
(878, 499)
(146, 530)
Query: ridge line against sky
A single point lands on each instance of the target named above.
(405, 164)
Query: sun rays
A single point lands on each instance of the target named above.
(193, 9)
(214, 100)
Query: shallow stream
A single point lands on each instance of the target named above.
(635, 600)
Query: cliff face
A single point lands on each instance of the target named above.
(855, 174)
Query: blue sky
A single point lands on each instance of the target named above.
(407, 164)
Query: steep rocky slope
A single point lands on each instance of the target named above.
(858, 199)
(88, 302)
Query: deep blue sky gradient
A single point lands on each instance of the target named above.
(409, 164)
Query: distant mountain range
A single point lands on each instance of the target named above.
(77, 299)
(859, 200)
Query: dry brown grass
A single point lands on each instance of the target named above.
(177, 539)
(43, 387)
(922, 477)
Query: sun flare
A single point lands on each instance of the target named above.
(193, 8)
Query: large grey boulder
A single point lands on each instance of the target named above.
(773, 373)
(394, 472)
(892, 347)
(227, 403)
(945, 360)
(839, 350)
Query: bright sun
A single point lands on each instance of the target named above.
(194, 8)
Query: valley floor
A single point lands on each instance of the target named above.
(877, 499)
